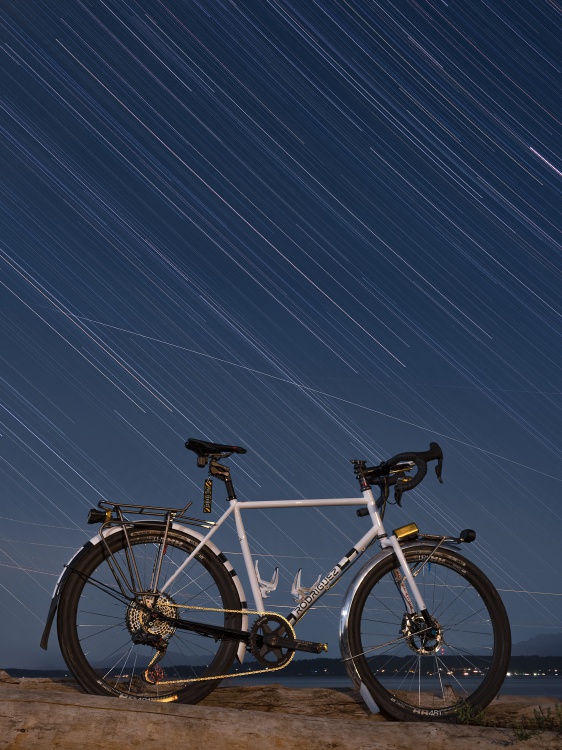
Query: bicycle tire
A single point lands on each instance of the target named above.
(96, 621)
(417, 677)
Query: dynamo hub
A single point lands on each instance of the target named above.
(420, 637)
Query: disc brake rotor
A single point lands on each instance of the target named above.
(419, 637)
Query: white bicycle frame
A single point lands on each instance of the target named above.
(377, 531)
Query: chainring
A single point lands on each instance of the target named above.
(266, 641)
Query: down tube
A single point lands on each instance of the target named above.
(330, 578)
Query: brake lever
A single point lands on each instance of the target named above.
(435, 454)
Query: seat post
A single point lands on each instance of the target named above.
(231, 495)
(223, 473)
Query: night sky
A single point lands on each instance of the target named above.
(321, 230)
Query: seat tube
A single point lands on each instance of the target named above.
(247, 555)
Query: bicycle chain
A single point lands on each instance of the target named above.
(185, 681)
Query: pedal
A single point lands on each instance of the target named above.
(309, 646)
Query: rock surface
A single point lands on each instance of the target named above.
(39, 714)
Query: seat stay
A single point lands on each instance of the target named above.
(198, 548)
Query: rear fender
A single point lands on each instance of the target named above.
(70, 565)
(59, 586)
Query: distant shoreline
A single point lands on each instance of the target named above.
(547, 666)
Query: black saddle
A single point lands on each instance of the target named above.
(204, 448)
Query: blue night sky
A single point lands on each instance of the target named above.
(321, 230)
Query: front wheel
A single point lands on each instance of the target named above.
(118, 641)
(418, 672)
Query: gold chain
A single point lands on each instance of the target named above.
(238, 674)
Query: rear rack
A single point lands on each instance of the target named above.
(124, 509)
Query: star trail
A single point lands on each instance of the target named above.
(319, 229)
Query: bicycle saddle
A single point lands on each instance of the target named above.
(203, 448)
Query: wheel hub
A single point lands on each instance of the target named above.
(421, 637)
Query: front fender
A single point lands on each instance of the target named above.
(70, 565)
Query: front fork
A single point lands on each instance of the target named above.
(407, 577)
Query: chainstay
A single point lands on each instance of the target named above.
(189, 680)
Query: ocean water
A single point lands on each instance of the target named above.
(545, 686)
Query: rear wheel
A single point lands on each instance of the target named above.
(415, 671)
(113, 641)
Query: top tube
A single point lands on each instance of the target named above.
(320, 503)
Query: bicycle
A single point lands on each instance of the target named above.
(151, 609)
